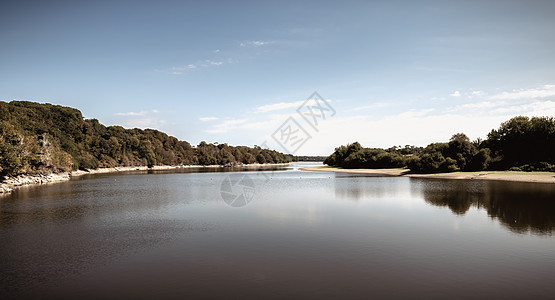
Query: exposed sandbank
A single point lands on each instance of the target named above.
(519, 176)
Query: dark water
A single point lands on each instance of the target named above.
(300, 235)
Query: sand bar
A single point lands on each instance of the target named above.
(519, 176)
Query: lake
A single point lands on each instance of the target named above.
(277, 234)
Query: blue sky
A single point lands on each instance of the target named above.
(395, 72)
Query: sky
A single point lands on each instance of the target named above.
(240, 72)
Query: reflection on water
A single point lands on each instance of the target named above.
(356, 186)
(304, 234)
(521, 207)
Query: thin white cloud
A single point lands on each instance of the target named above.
(141, 119)
(544, 108)
(137, 113)
(261, 124)
(455, 94)
(278, 106)
(281, 105)
(438, 98)
(214, 63)
(227, 125)
(547, 90)
(478, 105)
(371, 106)
(180, 70)
(131, 113)
(255, 43)
(208, 119)
(415, 113)
(144, 123)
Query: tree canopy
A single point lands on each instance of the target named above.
(37, 137)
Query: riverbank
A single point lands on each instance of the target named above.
(162, 168)
(10, 183)
(517, 176)
(13, 182)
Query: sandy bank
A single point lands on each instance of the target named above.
(10, 183)
(544, 177)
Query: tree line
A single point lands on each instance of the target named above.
(521, 143)
(43, 138)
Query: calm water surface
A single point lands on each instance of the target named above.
(300, 235)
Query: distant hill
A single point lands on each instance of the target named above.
(42, 138)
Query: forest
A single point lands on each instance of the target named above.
(44, 138)
(519, 144)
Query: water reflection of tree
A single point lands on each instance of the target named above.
(521, 207)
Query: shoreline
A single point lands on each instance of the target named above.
(514, 176)
(11, 183)
(163, 168)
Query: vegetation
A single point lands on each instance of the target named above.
(522, 143)
(37, 138)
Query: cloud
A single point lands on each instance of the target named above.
(144, 123)
(253, 123)
(278, 106)
(139, 113)
(227, 125)
(255, 43)
(547, 90)
(141, 119)
(281, 105)
(455, 94)
(371, 106)
(522, 101)
(437, 98)
(214, 63)
(478, 105)
(208, 119)
(180, 70)
(131, 113)
(537, 108)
